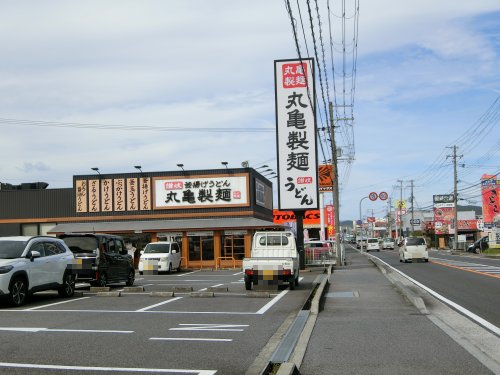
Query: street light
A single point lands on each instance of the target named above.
(360, 218)
(96, 169)
(138, 167)
(181, 166)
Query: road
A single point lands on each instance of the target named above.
(470, 281)
(140, 333)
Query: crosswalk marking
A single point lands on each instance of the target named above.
(481, 269)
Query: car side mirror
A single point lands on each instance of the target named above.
(142, 252)
(33, 254)
(174, 251)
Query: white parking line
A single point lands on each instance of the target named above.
(189, 273)
(270, 304)
(159, 304)
(35, 330)
(123, 369)
(210, 327)
(55, 303)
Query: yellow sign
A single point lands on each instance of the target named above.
(400, 204)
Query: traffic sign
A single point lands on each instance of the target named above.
(373, 196)
(383, 195)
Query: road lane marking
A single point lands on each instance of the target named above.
(158, 304)
(478, 269)
(493, 328)
(55, 303)
(122, 369)
(270, 304)
(36, 330)
(210, 327)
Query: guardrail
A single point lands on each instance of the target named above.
(319, 256)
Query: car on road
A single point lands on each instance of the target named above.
(102, 258)
(413, 249)
(388, 243)
(30, 264)
(479, 246)
(372, 244)
(162, 256)
(361, 243)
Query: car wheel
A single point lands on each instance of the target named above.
(18, 291)
(476, 250)
(68, 285)
(169, 268)
(141, 273)
(103, 280)
(291, 284)
(248, 285)
(297, 281)
(131, 278)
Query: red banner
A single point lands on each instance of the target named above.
(491, 198)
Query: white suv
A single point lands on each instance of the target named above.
(31, 264)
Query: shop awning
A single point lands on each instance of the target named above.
(163, 225)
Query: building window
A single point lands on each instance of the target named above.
(201, 248)
(234, 246)
(45, 227)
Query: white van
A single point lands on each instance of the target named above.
(161, 256)
(413, 249)
(372, 244)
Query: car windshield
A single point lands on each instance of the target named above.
(389, 240)
(12, 249)
(80, 244)
(156, 248)
(415, 241)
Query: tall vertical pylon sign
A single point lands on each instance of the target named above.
(296, 134)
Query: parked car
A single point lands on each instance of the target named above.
(413, 249)
(388, 243)
(30, 264)
(160, 256)
(479, 246)
(319, 252)
(372, 244)
(102, 258)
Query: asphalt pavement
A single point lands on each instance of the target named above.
(367, 326)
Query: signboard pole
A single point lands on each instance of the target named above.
(299, 216)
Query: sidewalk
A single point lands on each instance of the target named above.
(368, 327)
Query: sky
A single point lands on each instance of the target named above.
(117, 84)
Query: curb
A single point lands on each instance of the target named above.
(293, 365)
(415, 300)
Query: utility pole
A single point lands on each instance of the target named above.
(454, 156)
(389, 219)
(335, 187)
(412, 217)
(400, 205)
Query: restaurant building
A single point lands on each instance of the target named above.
(211, 213)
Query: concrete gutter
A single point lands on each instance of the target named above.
(291, 367)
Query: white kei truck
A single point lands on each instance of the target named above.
(274, 261)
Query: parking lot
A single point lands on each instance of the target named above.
(217, 328)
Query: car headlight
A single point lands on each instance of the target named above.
(6, 269)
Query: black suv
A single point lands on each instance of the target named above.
(102, 259)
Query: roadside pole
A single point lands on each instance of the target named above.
(336, 195)
(299, 216)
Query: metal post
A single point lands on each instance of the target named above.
(360, 217)
(455, 200)
(299, 216)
